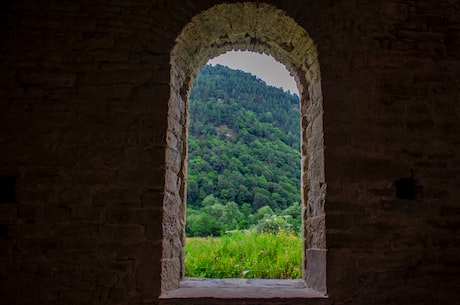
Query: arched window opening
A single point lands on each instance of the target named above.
(265, 29)
(243, 184)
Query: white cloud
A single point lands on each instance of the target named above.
(263, 66)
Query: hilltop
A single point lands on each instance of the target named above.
(244, 159)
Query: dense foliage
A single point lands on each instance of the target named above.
(244, 159)
(245, 254)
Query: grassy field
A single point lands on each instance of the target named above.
(247, 254)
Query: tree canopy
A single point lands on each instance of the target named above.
(243, 153)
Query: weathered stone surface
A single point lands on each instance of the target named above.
(316, 259)
(122, 233)
(93, 118)
(133, 216)
(9, 213)
(147, 277)
(316, 232)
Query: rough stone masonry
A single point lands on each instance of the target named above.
(93, 125)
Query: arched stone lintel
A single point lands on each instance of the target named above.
(245, 26)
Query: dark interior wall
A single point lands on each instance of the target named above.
(390, 87)
(84, 89)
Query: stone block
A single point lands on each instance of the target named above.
(121, 233)
(116, 77)
(29, 213)
(339, 221)
(90, 177)
(30, 230)
(172, 182)
(8, 213)
(104, 91)
(127, 215)
(149, 157)
(354, 239)
(152, 199)
(174, 142)
(80, 244)
(46, 78)
(144, 177)
(90, 214)
(316, 270)
(153, 232)
(117, 196)
(173, 160)
(152, 92)
(83, 230)
(343, 207)
(315, 228)
(56, 214)
(107, 278)
(170, 273)
(148, 274)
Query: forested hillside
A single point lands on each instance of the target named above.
(244, 159)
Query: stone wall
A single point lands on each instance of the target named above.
(86, 137)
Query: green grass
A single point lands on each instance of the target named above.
(244, 254)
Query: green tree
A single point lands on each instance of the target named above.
(193, 192)
(295, 216)
(264, 212)
(209, 200)
(246, 209)
(243, 148)
(231, 216)
(202, 225)
(273, 224)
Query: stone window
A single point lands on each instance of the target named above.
(265, 29)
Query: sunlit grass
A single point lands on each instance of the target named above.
(244, 254)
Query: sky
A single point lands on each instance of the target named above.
(261, 65)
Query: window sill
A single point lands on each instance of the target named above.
(192, 288)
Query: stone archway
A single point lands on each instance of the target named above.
(265, 29)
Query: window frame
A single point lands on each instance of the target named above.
(199, 41)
